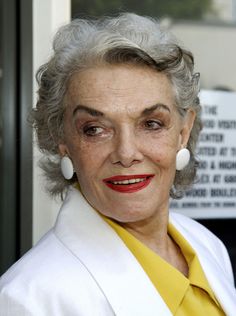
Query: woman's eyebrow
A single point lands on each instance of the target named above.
(87, 109)
(96, 113)
(158, 106)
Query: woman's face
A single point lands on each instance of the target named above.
(122, 132)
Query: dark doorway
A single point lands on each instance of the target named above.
(15, 132)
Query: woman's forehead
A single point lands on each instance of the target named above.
(117, 76)
(120, 87)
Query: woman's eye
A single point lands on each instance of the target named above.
(92, 130)
(153, 125)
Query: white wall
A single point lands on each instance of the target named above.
(48, 15)
(224, 9)
(214, 48)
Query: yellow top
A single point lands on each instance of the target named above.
(184, 296)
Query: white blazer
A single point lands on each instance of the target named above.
(82, 268)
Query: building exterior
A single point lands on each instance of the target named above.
(214, 48)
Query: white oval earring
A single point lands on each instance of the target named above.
(67, 168)
(182, 158)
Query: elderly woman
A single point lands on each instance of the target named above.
(118, 115)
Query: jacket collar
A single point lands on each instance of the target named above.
(216, 274)
(115, 270)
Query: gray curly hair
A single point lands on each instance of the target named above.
(127, 38)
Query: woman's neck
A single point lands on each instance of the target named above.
(154, 234)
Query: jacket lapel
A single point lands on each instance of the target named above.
(116, 271)
(215, 273)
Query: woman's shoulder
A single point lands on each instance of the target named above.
(46, 260)
(44, 277)
(35, 266)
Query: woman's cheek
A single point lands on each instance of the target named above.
(91, 154)
(161, 152)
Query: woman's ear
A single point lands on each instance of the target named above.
(188, 122)
(63, 150)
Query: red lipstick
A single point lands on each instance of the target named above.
(126, 184)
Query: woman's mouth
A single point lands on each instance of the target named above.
(128, 183)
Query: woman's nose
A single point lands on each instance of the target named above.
(126, 151)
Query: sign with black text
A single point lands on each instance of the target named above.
(214, 194)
